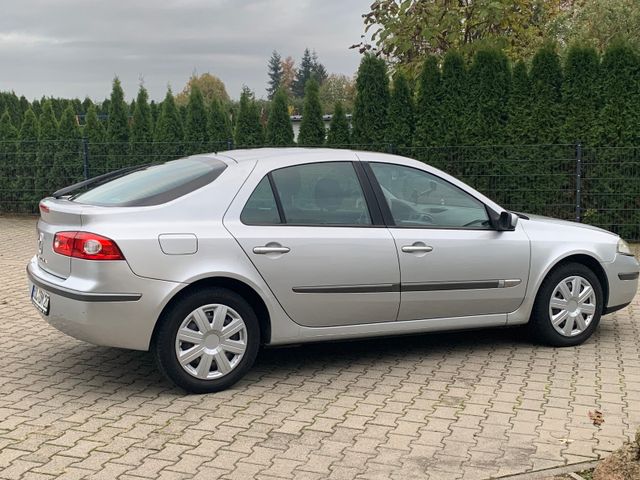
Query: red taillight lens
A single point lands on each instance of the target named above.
(88, 246)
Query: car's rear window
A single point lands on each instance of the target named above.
(154, 184)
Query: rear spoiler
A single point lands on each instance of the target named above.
(98, 180)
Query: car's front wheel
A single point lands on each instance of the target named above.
(568, 307)
(207, 340)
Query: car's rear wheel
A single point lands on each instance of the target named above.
(568, 307)
(207, 340)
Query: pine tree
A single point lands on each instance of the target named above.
(141, 149)
(400, 126)
(219, 127)
(454, 109)
(95, 135)
(117, 128)
(312, 130)
(196, 134)
(47, 150)
(8, 150)
(279, 129)
(428, 130)
(339, 134)
(275, 74)
(168, 137)
(249, 131)
(303, 74)
(26, 201)
(67, 165)
(371, 104)
(318, 71)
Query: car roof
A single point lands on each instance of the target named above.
(252, 154)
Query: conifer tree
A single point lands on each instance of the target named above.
(8, 150)
(94, 134)
(303, 74)
(401, 123)
(141, 149)
(279, 129)
(168, 136)
(490, 79)
(47, 150)
(546, 89)
(519, 127)
(248, 131)
(371, 104)
(454, 109)
(617, 207)
(196, 133)
(117, 128)
(339, 134)
(275, 72)
(26, 166)
(219, 126)
(67, 164)
(581, 95)
(312, 131)
(428, 130)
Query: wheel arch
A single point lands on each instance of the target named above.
(592, 264)
(238, 286)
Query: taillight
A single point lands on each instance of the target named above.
(88, 246)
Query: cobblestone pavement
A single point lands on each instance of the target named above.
(465, 405)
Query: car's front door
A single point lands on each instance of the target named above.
(310, 232)
(452, 262)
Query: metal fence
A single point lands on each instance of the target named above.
(595, 185)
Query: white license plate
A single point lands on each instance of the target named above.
(40, 299)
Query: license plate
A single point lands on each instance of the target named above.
(40, 299)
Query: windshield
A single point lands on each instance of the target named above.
(154, 184)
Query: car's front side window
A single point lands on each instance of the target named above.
(327, 193)
(419, 199)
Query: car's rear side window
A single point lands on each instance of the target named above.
(155, 184)
(261, 208)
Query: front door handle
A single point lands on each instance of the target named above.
(270, 249)
(417, 247)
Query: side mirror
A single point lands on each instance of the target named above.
(507, 221)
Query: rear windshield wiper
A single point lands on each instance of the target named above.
(63, 192)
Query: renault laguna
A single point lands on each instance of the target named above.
(203, 259)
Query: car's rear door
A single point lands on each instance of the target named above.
(312, 233)
(452, 262)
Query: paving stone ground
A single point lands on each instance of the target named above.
(465, 405)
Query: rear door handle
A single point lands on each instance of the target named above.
(416, 248)
(266, 249)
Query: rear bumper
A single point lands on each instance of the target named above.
(96, 312)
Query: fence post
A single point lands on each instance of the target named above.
(230, 144)
(578, 181)
(85, 158)
(391, 148)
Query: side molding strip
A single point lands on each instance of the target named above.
(410, 287)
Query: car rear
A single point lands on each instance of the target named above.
(81, 279)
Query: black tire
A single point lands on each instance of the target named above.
(540, 325)
(164, 344)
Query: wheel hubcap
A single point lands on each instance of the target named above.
(211, 341)
(572, 306)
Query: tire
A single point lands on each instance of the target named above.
(207, 317)
(582, 318)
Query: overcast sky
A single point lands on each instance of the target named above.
(73, 48)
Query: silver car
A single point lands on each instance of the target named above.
(203, 259)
